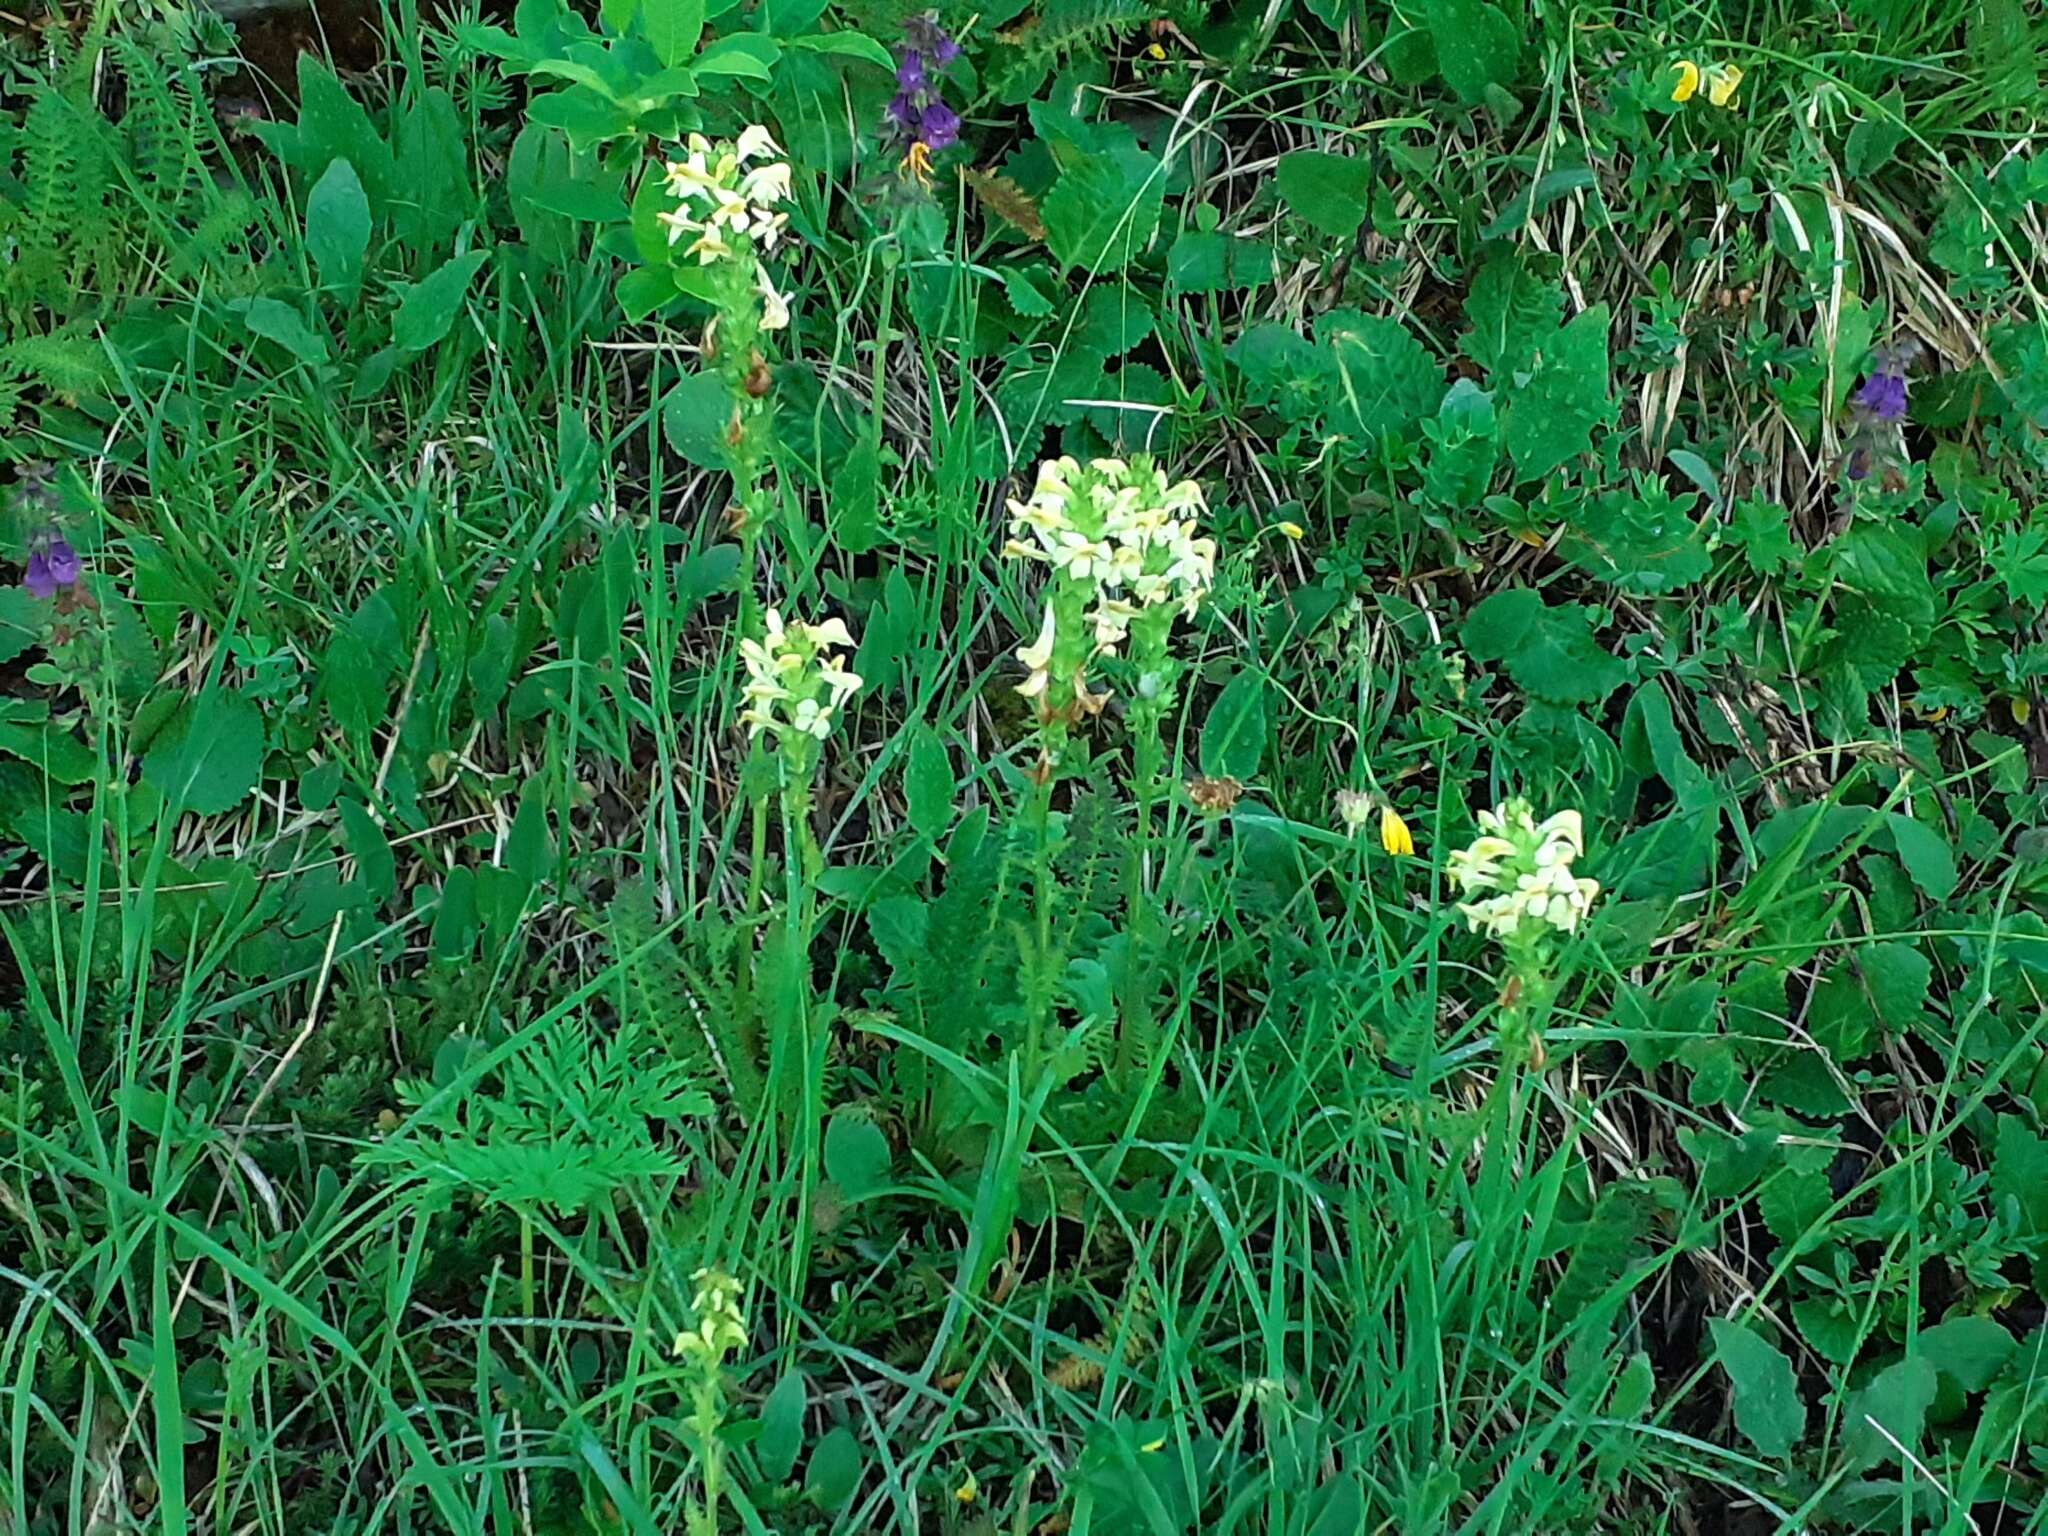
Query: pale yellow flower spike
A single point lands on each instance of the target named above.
(1394, 834)
(1688, 81)
(1723, 80)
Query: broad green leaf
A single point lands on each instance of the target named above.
(1885, 1419)
(430, 307)
(208, 760)
(1514, 310)
(1103, 212)
(782, 1426)
(1385, 380)
(275, 320)
(333, 125)
(1925, 853)
(375, 864)
(672, 27)
(643, 290)
(338, 228)
(694, 419)
(834, 1470)
(1234, 735)
(455, 918)
(1550, 419)
(748, 55)
(1325, 191)
(928, 783)
(1549, 652)
(1768, 1407)
(851, 45)
(1971, 1350)
(857, 1155)
(1476, 46)
(57, 754)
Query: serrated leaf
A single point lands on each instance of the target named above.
(1549, 652)
(429, 309)
(1327, 192)
(1887, 1416)
(1513, 311)
(1103, 212)
(1644, 540)
(1007, 201)
(1550, 419)
(1925, 853)
(208, 760)
(1768, 1408)
(1024, 296)
(2019, 1174)
(1385, 380)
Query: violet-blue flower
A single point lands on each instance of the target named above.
(52, 567)
(63, 563)
(1884, 395)
(940, 126)
(910, 77)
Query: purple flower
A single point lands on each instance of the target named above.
(1884, 395)
(910, 74)
(925, 35)
(903, 113)
(52, 567)
(63, 562)
(940, 128)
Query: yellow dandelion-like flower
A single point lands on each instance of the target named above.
(1688, 82)
(1394, 834)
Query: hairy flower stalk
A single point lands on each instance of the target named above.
(720, 1332)
(1520, 889)
(918, 113)
(726, 218)
(1126, 558)
(798, 681)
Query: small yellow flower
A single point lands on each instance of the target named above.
(2022, 711)
(1722, 82)
(1154, 51)
(1292, 531)
(969, 1490)
(1394, 834)
(1688, 81)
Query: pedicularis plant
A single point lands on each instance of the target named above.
(818, 681)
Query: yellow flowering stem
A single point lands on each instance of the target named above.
(1723, 80)
(1394, 834)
